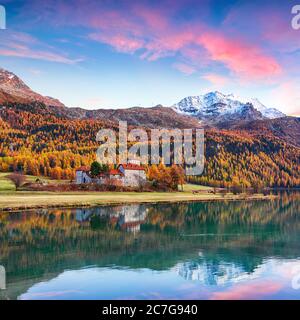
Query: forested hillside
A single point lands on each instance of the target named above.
(36, 141)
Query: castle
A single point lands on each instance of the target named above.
(131, 174)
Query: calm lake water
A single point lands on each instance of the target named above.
(216, 250)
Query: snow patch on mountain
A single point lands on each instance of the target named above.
(214, 104)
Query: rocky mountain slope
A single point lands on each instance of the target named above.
(155, 117)
(13, 89)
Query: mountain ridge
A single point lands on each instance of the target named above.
(220, 111)
(204, 107)
(215, 107)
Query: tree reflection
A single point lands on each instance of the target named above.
(233, 238)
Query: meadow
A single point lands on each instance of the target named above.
(11, 200)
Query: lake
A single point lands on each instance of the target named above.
(205, 250)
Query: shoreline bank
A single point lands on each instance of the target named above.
(50, 200)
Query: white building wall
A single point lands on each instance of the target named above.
(134, 177)
(82, 177)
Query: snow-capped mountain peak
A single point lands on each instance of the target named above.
(218, 106)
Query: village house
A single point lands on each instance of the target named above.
(131, 174)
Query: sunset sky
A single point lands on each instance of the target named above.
(109, 53)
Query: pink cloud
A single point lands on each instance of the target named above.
(272, 24)
(121, 43)
(184, 68)
(152, 18)
(49, 294)
(133, 26)
(34, 54)
(156, 33)
(243, 59)
(156, 30)
(215, 79)
(113, 22)
(248, 291)
(22, 45)
(22, 37)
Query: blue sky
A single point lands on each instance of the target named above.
(97, 54)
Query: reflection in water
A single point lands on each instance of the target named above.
(210, 274)
(2, 278)
(198, 250)
(128, 218)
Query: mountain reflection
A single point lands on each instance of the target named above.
(208, 242)
(208, 273)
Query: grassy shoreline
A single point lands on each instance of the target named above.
(42, 200)
(10, 200)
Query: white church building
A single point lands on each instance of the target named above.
(131, 174)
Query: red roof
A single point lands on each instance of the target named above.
(114, 172)
(83, 168)
(132, 166)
